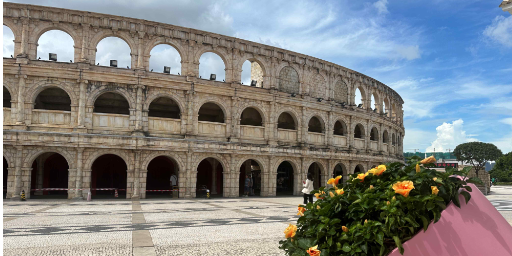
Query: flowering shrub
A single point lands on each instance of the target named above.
(376, 211)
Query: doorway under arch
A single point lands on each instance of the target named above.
(162, 175)
(252, 169)
(49, 170)
(109, 172)
(316, 171)
(285, 179)
(210, 176)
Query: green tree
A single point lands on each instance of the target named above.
(477, 154)
(502, 170)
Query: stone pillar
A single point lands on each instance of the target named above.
(235, 120)
(182, 183)
(136, 177)
(20, 120)
(350, 134)
(380, 139)
(18, 173)
(367, 137)
(191, 128)
(304, 126)
(81, 103)
(39, 175)
(24, 38)
(330, 130)
(188, 169)
(85, 34)
(79, 168)
(140, 54)
(138, 109)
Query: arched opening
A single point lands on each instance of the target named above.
(49, 170)
(252, 71)
(386, 108)
(164, 107)
(162, 175)
(289, 80)
(315, 125)
(210, 177)
(340, 128)
(285, 179)
(316, 171)
(393, 139)
(111, 103)
(359, 169)
(373, 103)
(250, 175)
(251, 116)
(359, 99)
(6, 174)
(286, 121)
(385, 137)
(7, 98)
(53, 99)
(374, 134)
(113, 48)
(8, 43)
(211, 112)
(399, 140)
(56, 41)
(341, 92)
(340, 169)
(394, 114)
(359, 131)
(211, 63)
(165, 55)
(108, 174)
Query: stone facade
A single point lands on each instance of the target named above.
(341, 92)
(506, 6)
(82, 135)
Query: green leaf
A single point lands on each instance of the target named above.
(346, 247)
(305, 243)
(466, 195)
(380, 237)
(425, 222)
(468, 188)
(364, 247)
(398, 244)
(441, 204)
(456, 199)
(413, 223)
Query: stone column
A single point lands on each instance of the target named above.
(18, 174)
(191, 128)
(330, 130)
(85, 33)
(136, 178)
(21, 92)
(81, 103)
(138, 109)
(140, 57)
(39, 175)
(188, 166)
(380, 139)
(367, 137)
(79, 168)
(24, 38)
(350, 134)
(304, 126)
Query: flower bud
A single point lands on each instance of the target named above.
(345, 229)
(388, 203)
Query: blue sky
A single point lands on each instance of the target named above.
(450, 60)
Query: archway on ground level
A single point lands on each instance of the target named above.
(49, 170)
(58, 42)
(210, 176)
(165, 108)
(162, 175)
(211, 112)
(165, 55)
(111, 103)
(286, 121)
(252, 71)
(8, 40)
(316, 171)
(359, 169)
(251, 169)
(7, 98)
(6, 174)
(53, 99)
(251, 116)
(340, 169)
(113, 48)
(285, 179)
(109, 171)
(211, 63)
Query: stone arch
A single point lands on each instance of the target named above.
(311, 121)
(293, 162)
(251, 58)
(345, 172)
(340, 127)
(376, 104)
(322, 175)
(222, 54)
(362, 89)
(359, 168)
(393, 139)
(44, 27)
(261, 162)
(8, 157)
(214, 100)
(289, 80)
(36, 152)
(224, 117)
(360, 132)
(374, 133)
(341, 91)
(153, 97)
(95, 94)
(173, 156)
(13, 95)
(259, 107)
(222, 160)
(387, 107)
(261, 116)
(15, 28)
(159, 41)
(320, 163)
(385, 136)
(32, 93)
(104, 33)
(291, 112)
(127, 158)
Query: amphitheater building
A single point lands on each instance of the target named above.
(79, 127)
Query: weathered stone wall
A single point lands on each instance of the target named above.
(341, 92)
(257, 73)
(289, 80)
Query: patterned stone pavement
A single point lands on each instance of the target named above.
(242, 226)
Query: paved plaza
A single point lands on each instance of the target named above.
(241, 226)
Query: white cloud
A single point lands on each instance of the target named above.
(505, 143)
(449, 136)
(409, 52)
(211, 63)
(113, 48)
(165, 55)
(8, 42)
(381, 6)
(59, 42)
(500, 31)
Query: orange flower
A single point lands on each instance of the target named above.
(435, 178)
(301, 211)
(318, 207)
(319, 195)
(330, 181)
(434, 190)
(379, 170)
(417, 168)
(365, 221)
(388, 203)
(393, 199)
(331, 194)
(340, 191)
(290, 231)
(337, 180)
(345, 229)
(361, 176)
(372, 171)
(313, 251)
(428, 160)
(371, 186)
(403, 187)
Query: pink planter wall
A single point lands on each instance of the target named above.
(475, 229)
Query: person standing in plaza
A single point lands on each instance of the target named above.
(174, 182)
(246, 185)
(308, 187)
